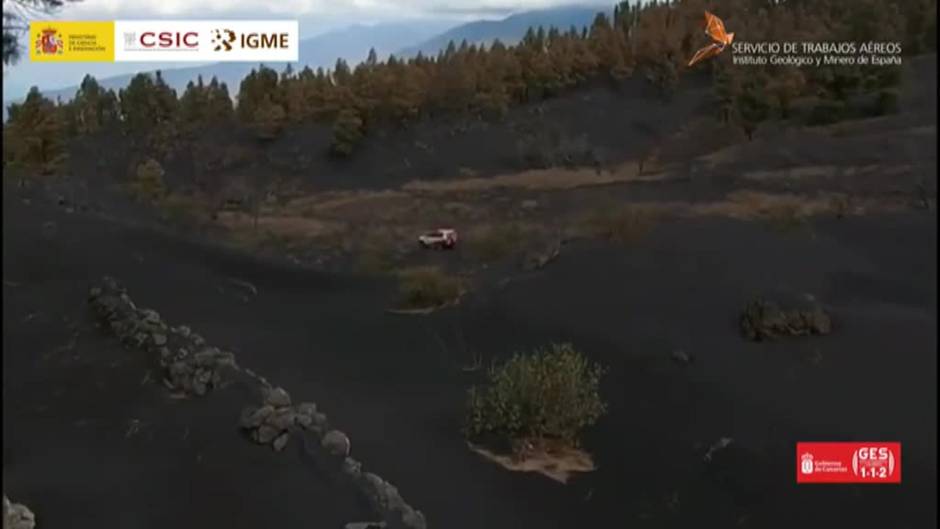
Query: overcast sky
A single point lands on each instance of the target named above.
(329, 12)
(315, 16)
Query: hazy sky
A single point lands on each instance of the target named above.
(331, 12)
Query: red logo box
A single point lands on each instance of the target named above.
(873, 462)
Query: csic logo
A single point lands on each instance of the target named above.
(161, 41)
(223, 39)
(48, 42)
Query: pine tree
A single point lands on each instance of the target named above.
(34, 141)
(94, 108)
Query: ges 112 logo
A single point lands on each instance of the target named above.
(873, 462)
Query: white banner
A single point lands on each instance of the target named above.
(206, 40)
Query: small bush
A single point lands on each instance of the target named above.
(552, 394)
(375, 260)
(827, 113)
(623, 225)
(147, 183)
(348, 133)
(426, 287)
(184, 209)
(495, 242)
(887, 102)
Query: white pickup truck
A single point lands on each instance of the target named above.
(444, 238)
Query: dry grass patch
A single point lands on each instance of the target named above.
(622, 224)
(428, 287)
(557, 463)
(496, 241)
(351, 205)
(751, 205)
(539, 179)
(286, 226)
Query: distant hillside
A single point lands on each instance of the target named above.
(352, 44)
(508, 30)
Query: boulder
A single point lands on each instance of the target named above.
(320, 423)
(304, 421)
(278, 398)
(205, 358)
(17, 515)
(336, 443)
(281, 441)
(281, 419)
(386, 499)
(681, 357)
(252, 417)
(307, 408)
(150, 316)
(351, 468)
(265, 434)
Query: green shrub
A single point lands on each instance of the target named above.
(552, 394)
(147, 182)
(348, 133)
(428, 286)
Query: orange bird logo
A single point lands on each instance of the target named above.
(715, 29)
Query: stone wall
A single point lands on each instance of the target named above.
(192, 367)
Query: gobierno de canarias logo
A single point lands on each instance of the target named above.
(49, 42)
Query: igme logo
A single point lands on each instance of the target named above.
(223, 39)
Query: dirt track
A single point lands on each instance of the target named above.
(396, 383)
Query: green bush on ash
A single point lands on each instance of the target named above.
(552, 394)
(428, 287)
(147, 183)
(347, 133)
